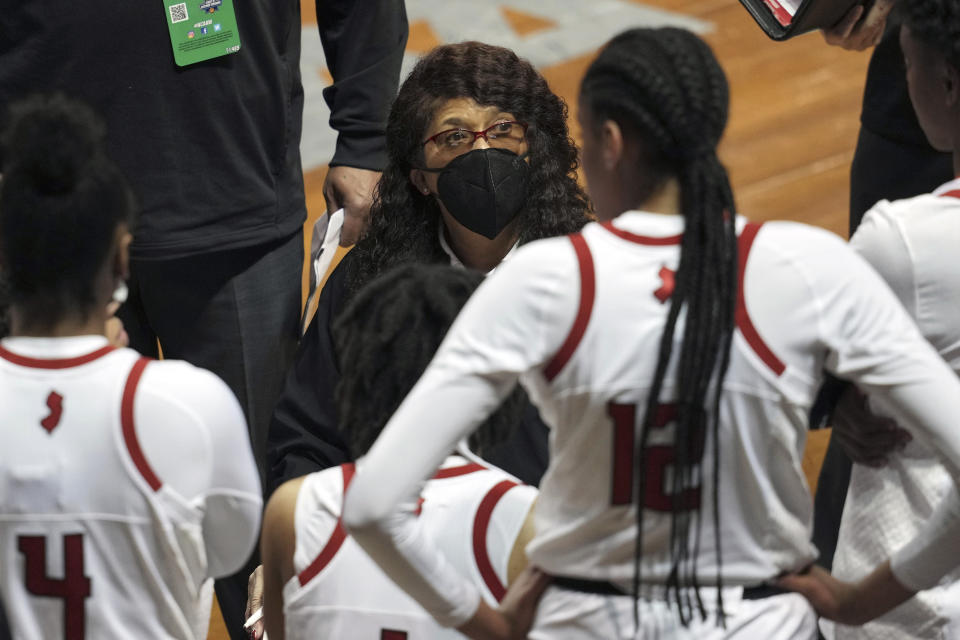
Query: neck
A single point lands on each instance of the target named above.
(23, 323)
(476, 251)
(664, 200)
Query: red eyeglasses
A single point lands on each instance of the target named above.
(502, 135)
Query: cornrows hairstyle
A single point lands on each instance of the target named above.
(664, 87)
(936, 23)
(388, 333)
(404, 223)
(61, 202)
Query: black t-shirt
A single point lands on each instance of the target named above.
(212, 149)
(887, 111)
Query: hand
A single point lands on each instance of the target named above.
(865, 437)
(861, 28)
(512, 621)
(255, 601)
(848, 603)
(519, 606)
(351, 189)
(113, 328)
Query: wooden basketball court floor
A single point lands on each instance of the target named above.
(793, 125)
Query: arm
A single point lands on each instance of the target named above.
(518, 555)
(363, 43)
(477, 365)
(303, 435)
(277, 545)
(872, 341)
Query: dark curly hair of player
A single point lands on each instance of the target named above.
(61, 203)
(404, 223)
(665, 87)
(388, 333)
(935, 23)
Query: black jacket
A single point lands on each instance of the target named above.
(211, 149)
(303, 435)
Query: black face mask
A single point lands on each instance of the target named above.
(484, 189)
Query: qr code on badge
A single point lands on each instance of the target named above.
(178, 12)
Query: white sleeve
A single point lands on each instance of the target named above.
(233, 504)
(873, 342)
(195, 436)
(514, 323)
(879, 240)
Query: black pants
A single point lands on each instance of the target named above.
(882, 169)
(235, 313)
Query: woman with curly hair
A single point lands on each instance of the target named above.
(479, 161)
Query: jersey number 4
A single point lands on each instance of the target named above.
(73, 588)
(657, 463)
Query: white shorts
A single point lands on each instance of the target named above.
(572, 615)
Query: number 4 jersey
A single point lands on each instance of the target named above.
(124, 484)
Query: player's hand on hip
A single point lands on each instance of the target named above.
(845, 602)
(351, 189)
(861, 28)
(512, 621)
(519, 606)
(864, 436)
(255, 601)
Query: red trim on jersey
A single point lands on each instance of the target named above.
(53, 363)
(638, 239)
(126, 422)
(745, 242)
(336, 540)
(481, 522)
(453, 472)
(951, 194)
(587, 294)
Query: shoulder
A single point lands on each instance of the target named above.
(182, 382)
(172, 388)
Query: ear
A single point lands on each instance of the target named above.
(611, 144)
(951, 84)
(419, 181)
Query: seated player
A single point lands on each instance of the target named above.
(674, 348)
(318, 582)
(466, 112)
(125, 484)
(911, 244)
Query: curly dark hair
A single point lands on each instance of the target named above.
(666, 87)
(935, 23)
(388, 333)
(61, 201)
(404, 223)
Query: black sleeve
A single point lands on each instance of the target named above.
(303, 435)
(363, 42)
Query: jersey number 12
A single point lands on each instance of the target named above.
(73, 588)
(658, 459)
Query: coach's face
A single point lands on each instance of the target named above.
(934, 86)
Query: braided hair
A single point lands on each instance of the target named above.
(61, 201)
(665, 87)
(388, 333)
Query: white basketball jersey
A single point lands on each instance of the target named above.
(912, 243)
(472, 513)
(594, 394)
(116, 505)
